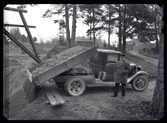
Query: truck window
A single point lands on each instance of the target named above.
(96, 58)
(112, 58)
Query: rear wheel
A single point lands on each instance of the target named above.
(74, 86)
(140, 83)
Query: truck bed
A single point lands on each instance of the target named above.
(62, 62)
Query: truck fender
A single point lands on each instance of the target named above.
(136, 74)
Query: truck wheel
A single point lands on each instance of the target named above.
(140, 83)
(74, 86)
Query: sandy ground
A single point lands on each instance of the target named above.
(94, 104)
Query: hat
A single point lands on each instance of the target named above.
(123, 55)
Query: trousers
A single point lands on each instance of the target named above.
(117, 88)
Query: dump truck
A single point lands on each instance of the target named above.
(63, 69)
(100, 72)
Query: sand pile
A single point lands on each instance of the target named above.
(58, 59)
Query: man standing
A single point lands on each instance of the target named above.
(120, 75)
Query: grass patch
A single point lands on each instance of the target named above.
(149, 68)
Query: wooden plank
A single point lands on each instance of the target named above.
(25, 84)
(20, 45)
(30, 90)
(17, 25)
(52, 95)
(29, 75)
(29, 35)
(14, 9)
(49, 95)
(56, 94)
(58, 97)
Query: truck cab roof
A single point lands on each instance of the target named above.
(108, 51)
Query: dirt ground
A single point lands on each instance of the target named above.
(94, 104)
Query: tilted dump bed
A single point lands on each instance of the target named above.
(61, 62)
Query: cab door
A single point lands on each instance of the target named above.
(95, 64)
(110, 65)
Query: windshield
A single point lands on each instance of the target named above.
(112, 58)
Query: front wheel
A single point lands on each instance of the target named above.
(140, 83)
(74, 86)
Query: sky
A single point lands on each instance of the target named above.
(45, 27)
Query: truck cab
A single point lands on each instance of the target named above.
(104, 63)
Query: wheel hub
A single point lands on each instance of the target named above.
(140, 83)
(76, 87)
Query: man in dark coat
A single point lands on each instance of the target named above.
(120, 75)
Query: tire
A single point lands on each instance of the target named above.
(140, 83)
(74, 86)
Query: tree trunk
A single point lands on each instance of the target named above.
(124, 44)
(73, 26)
(109, 36)
(109, 29)
(157, 106)
(124, 30)
(90, 33)
(156, 38)
(67, 26)
(156, 28)
(119, 35)
(94, 38)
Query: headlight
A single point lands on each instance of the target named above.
(139, 67)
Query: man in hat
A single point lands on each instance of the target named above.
(120, 75)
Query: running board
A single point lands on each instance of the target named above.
(100, 83)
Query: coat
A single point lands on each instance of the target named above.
(121, 71)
